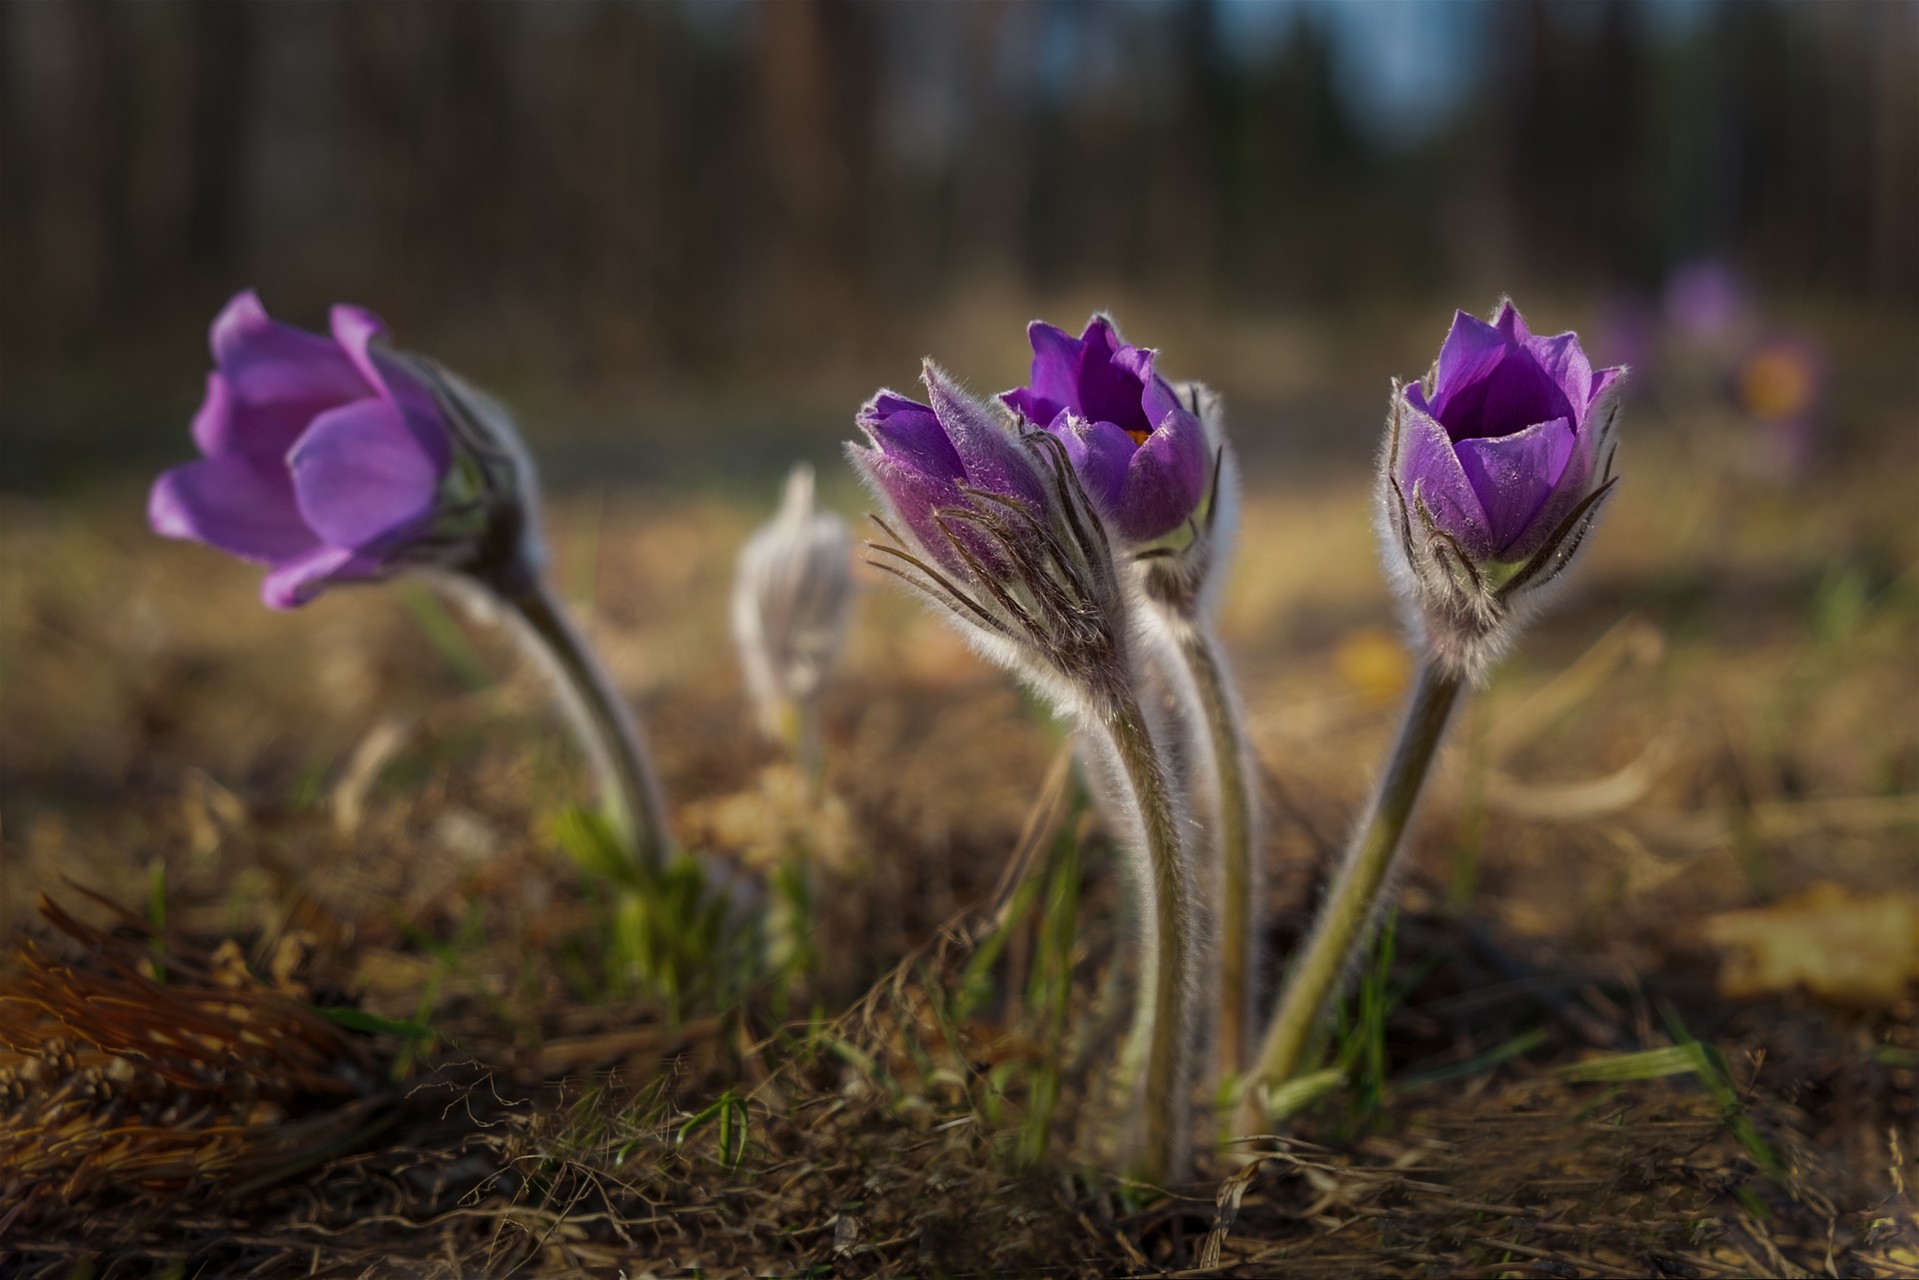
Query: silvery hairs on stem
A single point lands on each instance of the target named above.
(792, 592)
(994, 525)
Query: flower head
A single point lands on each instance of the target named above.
(1138, 449)
(790, 600)
(1495, 466)
(996, 526)
(331, 459)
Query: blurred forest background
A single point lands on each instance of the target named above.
(651, 224)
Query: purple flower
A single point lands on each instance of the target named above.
(1500, 444)
(1140, 452)
(926, 459)
(1494, 469)
(1705, 300)
(324, 458)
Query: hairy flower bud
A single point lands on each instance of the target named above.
(996, 526)
(791, 597)
(1493, 471)
(333, 459)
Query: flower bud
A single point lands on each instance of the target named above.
(791, 597)
(333, 459)
(1494, 469)
(996, 526)
(1138, 449)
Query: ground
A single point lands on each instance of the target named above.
(344, 1004)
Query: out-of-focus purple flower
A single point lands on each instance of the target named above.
(330, 459)
(1141, 454)
(1704, 300)
(928, 460)
(1495, 465)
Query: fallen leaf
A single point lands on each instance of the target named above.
(1858, 951)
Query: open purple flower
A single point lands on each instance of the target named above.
(1495, 466)
(1501, 441)
(1140, 452)
(325, 458)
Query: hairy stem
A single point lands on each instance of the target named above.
(629, 793)
(1239, 859)
(1350, 905)
(1172, 948)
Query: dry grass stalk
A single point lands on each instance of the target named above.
(148, 1073)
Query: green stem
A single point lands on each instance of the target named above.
(1239, 869)
(1342, 922)
(1171, 949)
(629, 793)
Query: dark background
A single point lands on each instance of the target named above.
(660, 229)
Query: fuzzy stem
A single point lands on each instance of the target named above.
(1172, 951)
(1239, 879)
(1350, 904)
(629, 793)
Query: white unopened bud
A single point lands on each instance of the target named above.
(791, 598)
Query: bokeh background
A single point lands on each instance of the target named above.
(655, 226)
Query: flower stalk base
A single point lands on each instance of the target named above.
(1354, 896)
(1170, 947)
(629, 792)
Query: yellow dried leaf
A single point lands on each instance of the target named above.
(1374, 665)
(1858, 951)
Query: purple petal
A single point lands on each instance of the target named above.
(1099, 452)
(1514, 475)
(1472, 350)
(994, 461)
(1035, 409)
(915, 497)
(299, 580)
(1601, 383)
(1055, 362)
(1156, 397)
(1428, 472)
(1566, 365)
(1108, 384)
(355, 328)
(1166, 479)
(359, 475)
(908, 432)
(274, 380)
(232, 504)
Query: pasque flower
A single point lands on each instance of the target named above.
(1139, 450)
(791, 596)
(995, 524)
(332, 459)
(1494, 468)
(1153, 455)
(336, 459)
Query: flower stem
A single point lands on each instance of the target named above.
(1239, 879)
(1171, 949)
(630, 794)
(1350, 904)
